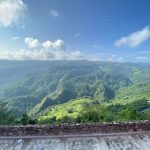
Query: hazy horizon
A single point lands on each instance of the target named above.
(36, 60)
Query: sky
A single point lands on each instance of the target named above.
(97, 30)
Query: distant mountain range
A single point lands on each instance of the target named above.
(43, 88)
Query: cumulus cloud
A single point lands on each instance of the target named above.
(53, 46)
(76, 55)
(31, 42)
(58, 44)
(11, 11)
(47, 44)
(37, 50)
(54, 13)
(45, 50)
(134, 39)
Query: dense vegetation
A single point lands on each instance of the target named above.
(73, 91)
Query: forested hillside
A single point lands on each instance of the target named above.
(75, 91)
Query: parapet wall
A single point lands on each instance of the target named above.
(74, 129)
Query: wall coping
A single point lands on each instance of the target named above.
(75, 129)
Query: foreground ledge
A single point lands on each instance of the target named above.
(72, 130)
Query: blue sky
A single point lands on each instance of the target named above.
(106, 30)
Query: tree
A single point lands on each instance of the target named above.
(5, 115)
(25, 119)
(129, 114)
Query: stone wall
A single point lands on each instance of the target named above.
(74, 129)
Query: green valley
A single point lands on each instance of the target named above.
(75, 91)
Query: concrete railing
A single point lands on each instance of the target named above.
(75, 129)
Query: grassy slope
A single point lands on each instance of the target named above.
(69, 109)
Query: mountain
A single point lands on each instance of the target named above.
(35, 87)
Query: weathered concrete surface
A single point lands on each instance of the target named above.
(113, 136)
(136, 142)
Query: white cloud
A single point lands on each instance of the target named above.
(42, 54)
(76, 55)
(54, 13)
(134, 39)
(37, 50)
(11, 11)
(115, 58)
(47, 44)
(25, 55)
(53, 46)
(56, 45)
(59, 44)
(31, 43)
(141, 58)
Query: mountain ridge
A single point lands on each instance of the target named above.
(35, 86)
